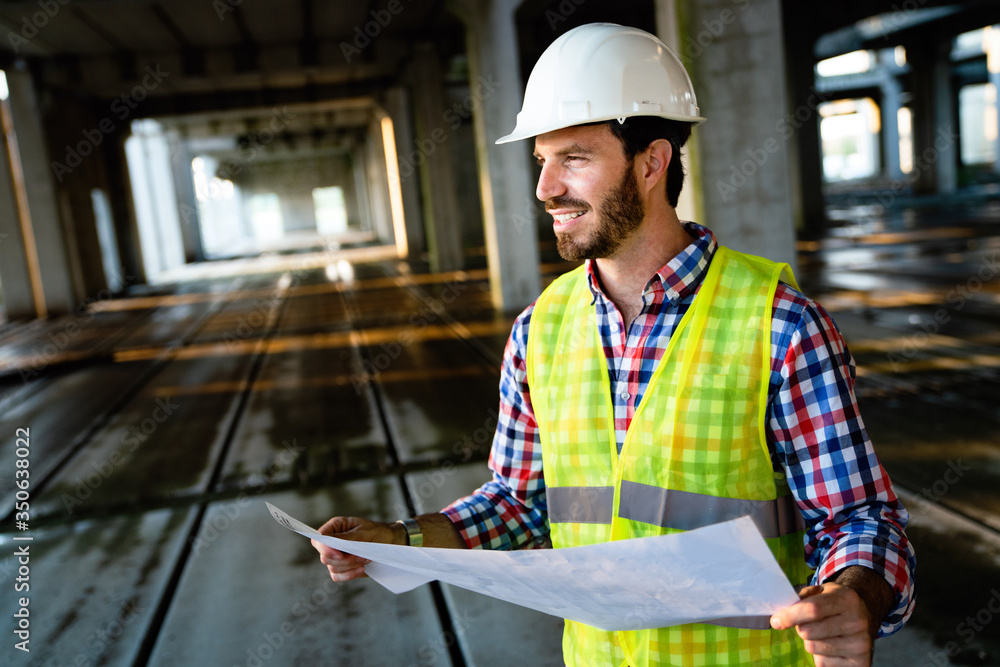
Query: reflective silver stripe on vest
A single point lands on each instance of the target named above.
(684, 510)
(580, 504)
(681, 510)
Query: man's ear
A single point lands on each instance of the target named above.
(654, 161)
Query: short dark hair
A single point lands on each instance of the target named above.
(638, 132)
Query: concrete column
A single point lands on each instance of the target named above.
(123, 209)
(506, 190)
(82, 244)
(668, 29)
(345, 179)
(151, 176)
(108, 240)
(78, 169)
(15, 276)
(889, 107)
(187, 202)
(745, 169)
(437, 177)
(397, 104)
(799, 128)
(38, 197)
(935, 130)
(377, 183)
(360, 180)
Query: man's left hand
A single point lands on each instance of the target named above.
(834, 622)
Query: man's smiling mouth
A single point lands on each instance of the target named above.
(566, 217)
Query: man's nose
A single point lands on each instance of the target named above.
(549, 184)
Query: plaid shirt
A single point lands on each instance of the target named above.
(816, 434)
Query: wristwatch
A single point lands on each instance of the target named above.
(414, 538)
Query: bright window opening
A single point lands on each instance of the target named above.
(969, 42)
(209, 187)
(331, 213)
(899, 55)
(849, 63)
(265, 216)
(218, 208)
(850, 135)
(904, 120)
(977, 117)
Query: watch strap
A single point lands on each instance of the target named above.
(414, 538)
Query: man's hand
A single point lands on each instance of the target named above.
(834, 622)
(342, 566)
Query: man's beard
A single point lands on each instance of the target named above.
(618, 216)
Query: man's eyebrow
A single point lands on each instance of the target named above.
(572, 149)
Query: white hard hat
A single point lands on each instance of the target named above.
(602, 71)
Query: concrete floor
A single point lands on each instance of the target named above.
(331, 383)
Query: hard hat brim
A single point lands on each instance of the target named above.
(520, 134)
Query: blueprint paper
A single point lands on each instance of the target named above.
(719, 571)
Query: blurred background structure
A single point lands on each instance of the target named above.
(256, 250)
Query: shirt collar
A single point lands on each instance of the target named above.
(678, 277)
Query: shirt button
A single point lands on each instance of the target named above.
(625, 395)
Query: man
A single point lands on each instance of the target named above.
(670, 383)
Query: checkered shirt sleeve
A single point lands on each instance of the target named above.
(820, 441)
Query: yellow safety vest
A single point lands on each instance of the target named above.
(695, 452)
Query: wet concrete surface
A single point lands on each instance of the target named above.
(163, 326)
(80, 336)
(298, 399)
(96, 391)
(435, 391)
(161, 446)
(334, 387)
(95, 586)
(941, 452)
(274, 602)
(320, 311)
(959, 598)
